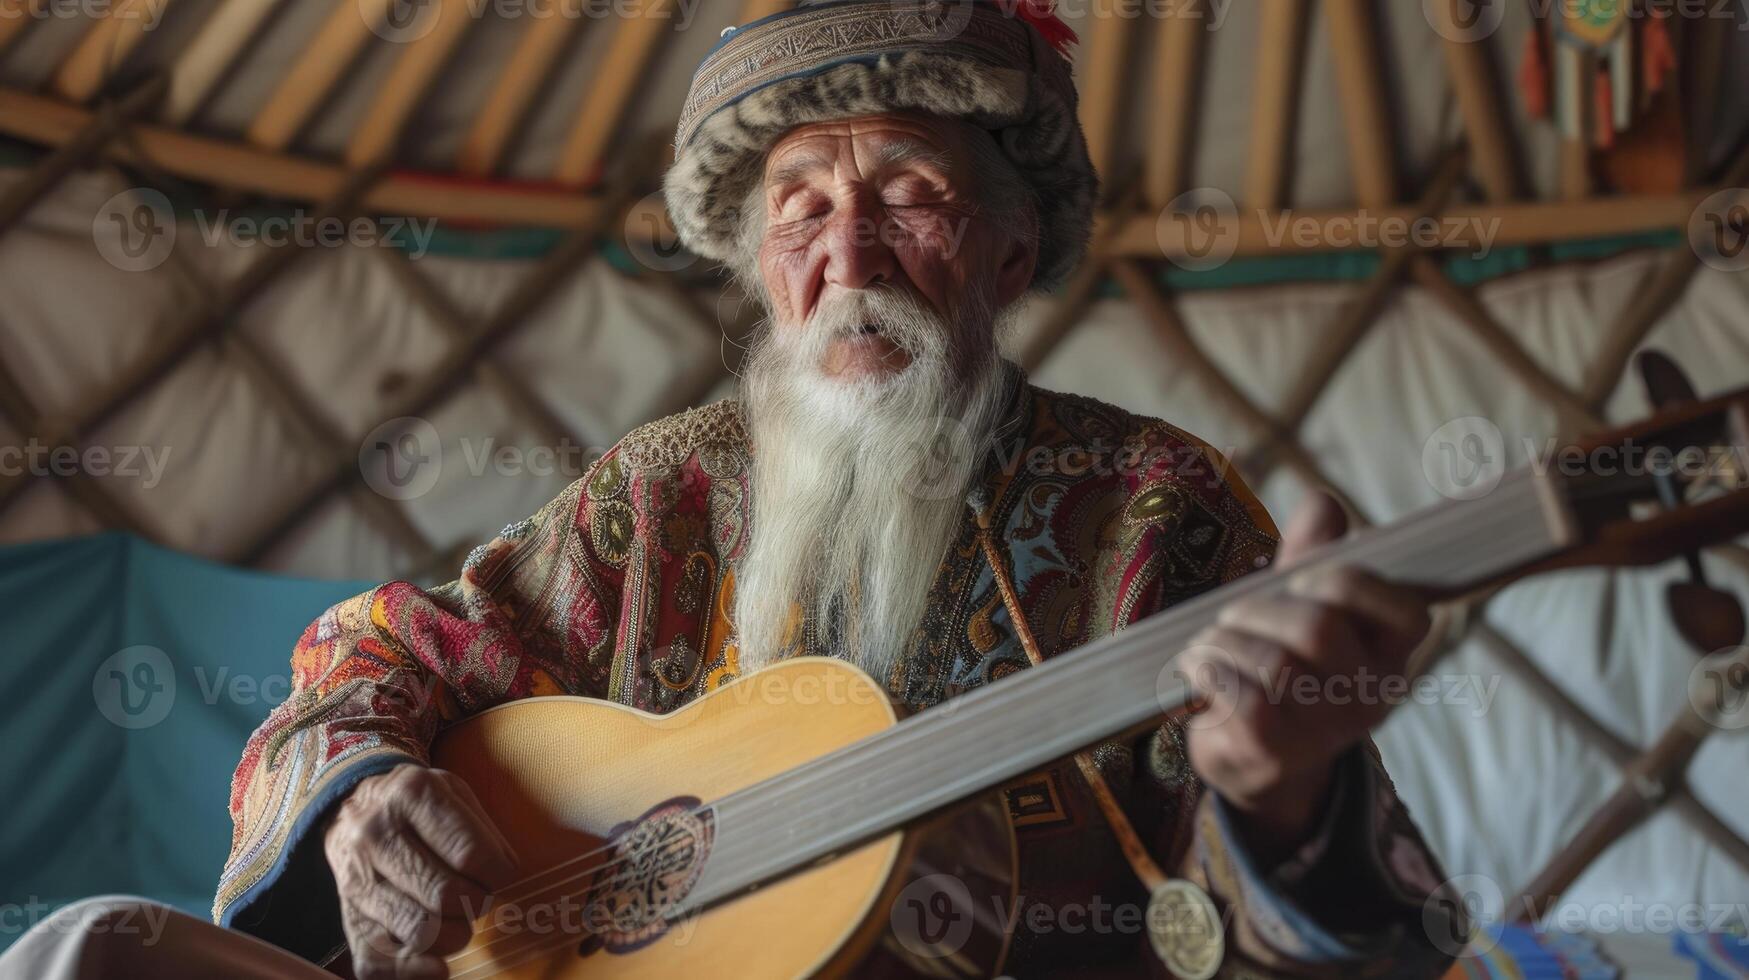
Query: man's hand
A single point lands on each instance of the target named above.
(414, 856)
(1292, 681)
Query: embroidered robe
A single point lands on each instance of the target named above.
(621, 589)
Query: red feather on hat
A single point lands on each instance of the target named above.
(1042, 15)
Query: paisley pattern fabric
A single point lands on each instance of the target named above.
(622, 588)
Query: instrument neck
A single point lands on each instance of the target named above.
(1113, 685)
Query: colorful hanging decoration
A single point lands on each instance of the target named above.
(1595, 66)
(1717, 955)
(1042, 15)
(1516, 952)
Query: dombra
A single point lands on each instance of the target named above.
(610, 800)
(790, 824)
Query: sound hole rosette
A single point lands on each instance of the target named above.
(652, 864)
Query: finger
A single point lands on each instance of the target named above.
(413, 929)
(349, 862)
(1259, 743)
(377, 955)
(1318, 521)
(464, 795)
(1398, 612)
(1322, 637)
(1270, 685)
(465, 840)
(1214, 677)
(1279, 717)
(403, 860)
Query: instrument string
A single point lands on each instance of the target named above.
(1482, 534)
(778, 794)
(801, 780)
(608, 886)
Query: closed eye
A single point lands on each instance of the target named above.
(804, 208)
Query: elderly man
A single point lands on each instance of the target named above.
(891, 185)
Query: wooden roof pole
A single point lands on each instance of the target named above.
(224, 36)
(248, 168)
(1183, 36)
(1471, 70)
(1083, 288)
(754, 9)
(617, 79)
(1360, 77)
(1103, 71)
(1281, 48)
(51, 122)
(118, 30)
(1518, 223)
(543, 42)
(89, 142)
(313, 76)
(16, 15)
(415, 72)
(1577, 183)
(1078, 296)
(1708, 44)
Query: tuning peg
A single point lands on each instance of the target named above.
(1666, 384)
(1708, 618)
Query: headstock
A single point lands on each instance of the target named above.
(1662, 488)
(1708, 618)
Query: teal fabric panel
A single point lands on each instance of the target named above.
(131, 677)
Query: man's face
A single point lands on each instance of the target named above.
(888, 201)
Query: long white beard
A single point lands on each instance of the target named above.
(858, 487)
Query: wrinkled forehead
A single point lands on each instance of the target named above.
(869, 143)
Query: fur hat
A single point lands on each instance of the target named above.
(987, 62)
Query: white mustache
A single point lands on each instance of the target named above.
(896, 315)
